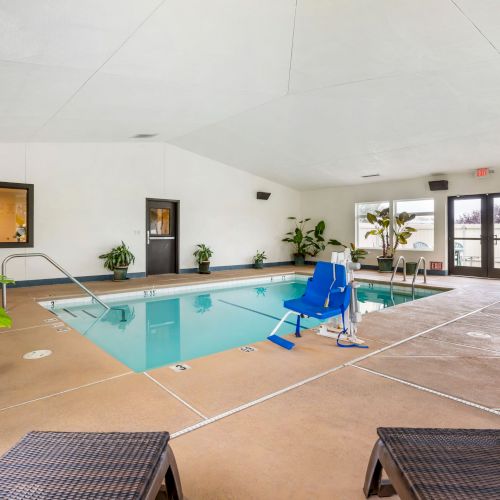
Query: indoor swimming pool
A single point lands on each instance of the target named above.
(149, 329)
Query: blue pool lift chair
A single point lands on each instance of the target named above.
(327, 294)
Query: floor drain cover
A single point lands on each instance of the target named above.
(179, 368)
(248, 348)
(479, 335)
(43, 353)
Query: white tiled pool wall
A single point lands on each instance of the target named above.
(174, 290)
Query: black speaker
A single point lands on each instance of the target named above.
(438, 185)
(263, 196)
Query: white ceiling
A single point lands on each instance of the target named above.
(310, 94)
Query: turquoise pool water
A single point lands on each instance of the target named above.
(146, 333)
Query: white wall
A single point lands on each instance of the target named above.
(336, 207)
(90, 196)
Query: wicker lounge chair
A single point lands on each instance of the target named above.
(71, 465)
(435, 464)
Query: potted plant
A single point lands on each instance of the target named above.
(357, 254)
(202, 255)
(258, 259)
(117, 260)
(5, 319)
(391, 236)
(306, 242)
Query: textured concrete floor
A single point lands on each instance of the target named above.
(273, 423)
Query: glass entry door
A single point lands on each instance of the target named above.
(474, 235)
(493, 211)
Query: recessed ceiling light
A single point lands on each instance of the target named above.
(143, 136)
(370, 175)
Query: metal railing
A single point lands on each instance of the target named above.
(401, 258)
(55, 264)
(420, 261)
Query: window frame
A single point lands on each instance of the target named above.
(30, 196)
(433, 213)
(356, 219)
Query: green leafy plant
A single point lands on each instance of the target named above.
(401, 232)
(306, 241)
(117, 257)
(5, 319)
(381, 219)
(259, 257)
(357, 254)
(203, 253)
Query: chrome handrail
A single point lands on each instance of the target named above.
(422, 259)
(55, 264)
(401, 258)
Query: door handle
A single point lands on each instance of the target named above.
(147, 237)
(163, 237)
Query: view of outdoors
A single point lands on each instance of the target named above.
(423, 223)
(467, 224)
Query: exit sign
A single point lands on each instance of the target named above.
(482, 172)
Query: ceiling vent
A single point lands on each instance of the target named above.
(143, 136)
(370, 175)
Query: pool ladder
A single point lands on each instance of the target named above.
(55, 264)
(421, 260)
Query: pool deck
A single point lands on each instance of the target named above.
(270, 423)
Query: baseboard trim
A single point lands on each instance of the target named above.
(432, 272)
(236, 266)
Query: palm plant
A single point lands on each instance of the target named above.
(5, 319)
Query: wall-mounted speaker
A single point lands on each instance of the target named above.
(263, 196)
(438, 185)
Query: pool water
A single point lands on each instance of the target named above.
(147, 333)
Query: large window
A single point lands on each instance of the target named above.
(16, 215)
(423, 239)
(363, 226)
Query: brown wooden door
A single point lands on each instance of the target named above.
(162, 238)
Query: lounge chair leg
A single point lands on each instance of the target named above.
(374, 484)
(172, 479)
(297, 327)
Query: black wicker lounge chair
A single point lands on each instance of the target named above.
(83, 465)
(435, 464)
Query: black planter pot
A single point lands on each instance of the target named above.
(258, 265)
(385, 264)
(299, 259)
(120, 273)
(411, 268)
(204, 267)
